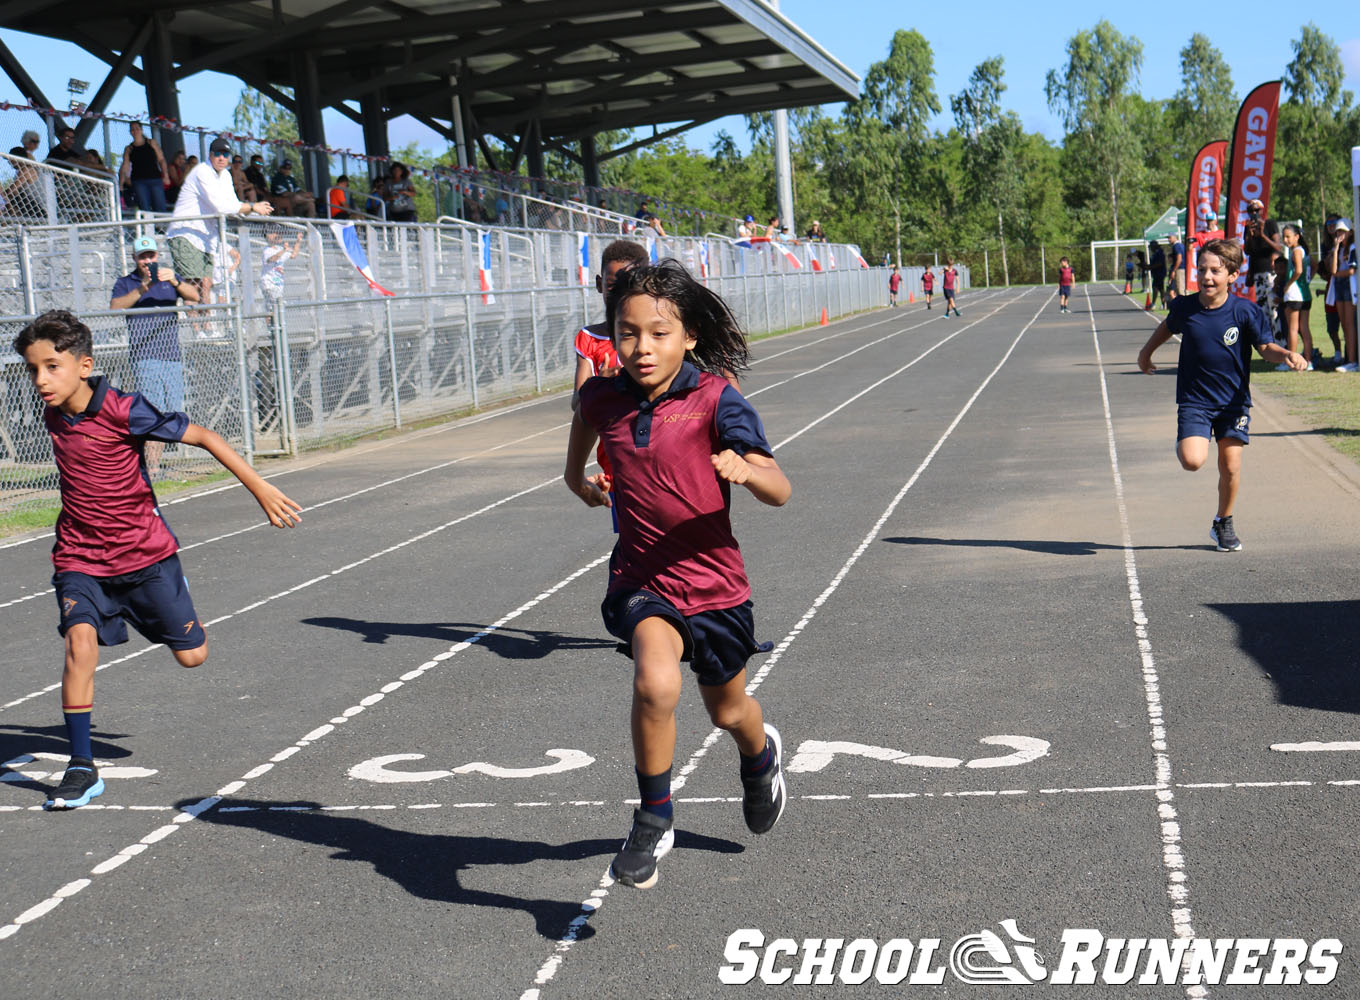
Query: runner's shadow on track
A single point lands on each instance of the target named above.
(510, 643)
(1307, 649)
(1050, 547)
(1310, 432)
(427, 865)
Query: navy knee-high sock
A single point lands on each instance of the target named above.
(78, 731)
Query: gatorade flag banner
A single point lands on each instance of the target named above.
(1206, 186)
(812, 258)
(860, 258)
(652, 254)
(583, 256)
(788, 255)
(349, 242)
(484, 271)
(703, 260)
(831, 254)
(1253, 156)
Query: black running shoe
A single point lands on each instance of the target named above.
(650, 840)
(81, 783)
(763, 803)
(1224, 536)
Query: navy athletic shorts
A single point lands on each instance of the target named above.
(155, 599)
(717, 643)
(1225, 422)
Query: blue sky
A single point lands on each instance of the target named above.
(1253, 37)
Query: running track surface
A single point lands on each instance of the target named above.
(1014, 681)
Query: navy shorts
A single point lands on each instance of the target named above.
(1224, 422)
(717, 643)
(1065, 291)
(949, 294)
(155, 599)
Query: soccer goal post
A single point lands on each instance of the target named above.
(1107, 258)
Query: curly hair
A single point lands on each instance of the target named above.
(61, 328)
(720, 344)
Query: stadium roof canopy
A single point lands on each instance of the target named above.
(556, 70)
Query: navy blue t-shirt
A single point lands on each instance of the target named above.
(1215, 362)
(153, 337)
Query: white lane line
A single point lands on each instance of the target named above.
(576, 804)
(1313, 746)
(549, 968)
(147, 649)
(1173, 857)
(191, 812)
(326, 503)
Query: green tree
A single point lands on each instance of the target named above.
(1313, 126)
(263, 118)
(1205, 106)
(1090, 97)
(991, 138)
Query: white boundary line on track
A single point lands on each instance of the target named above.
(443, 465)
(192, 811)
(147, 649)
(719, 799)
(549, 968)
(1173, 857)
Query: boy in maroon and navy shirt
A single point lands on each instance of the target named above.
(115, 557)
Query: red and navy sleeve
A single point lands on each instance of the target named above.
(145, 421)
(738, 424)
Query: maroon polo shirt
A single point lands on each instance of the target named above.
(675, 532)
(109, 522)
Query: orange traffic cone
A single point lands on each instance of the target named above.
(1128, 288)
(910, 297)
(1147, 303)
(823, 316)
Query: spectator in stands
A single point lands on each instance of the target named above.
(226, 275)
(93, 163)
(189, 165)
(772, 228)
(1261, 241)
(144, 168)
(206, 191)
(175, 171)
(22, 199)
(153, 340)
(401, 195)
(65, 153)
(255, 175)
(240, 183)
(502, 210)
(27, 144)
(295, 200)
(375, 204)
(275, 255)
(338, 198)
(815, 234)
(746, 228)
(650, 221)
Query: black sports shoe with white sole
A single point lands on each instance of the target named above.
(765, 794)
(650, 840)
(1224, 535)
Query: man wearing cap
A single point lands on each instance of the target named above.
(746, 229)
(207, 190)
(1261, 241)
(285, 186)
(153, 338)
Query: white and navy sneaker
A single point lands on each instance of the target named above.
(1224, 536)
(81, 783)
(650, 840)
(765, 794)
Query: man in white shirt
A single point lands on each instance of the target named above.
(207, 190)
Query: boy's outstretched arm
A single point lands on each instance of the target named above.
(1274, 352)
(282, 512)
(593, 490)
(1159, 337)
(759, 473)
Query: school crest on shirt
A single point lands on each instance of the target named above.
(1230, 336)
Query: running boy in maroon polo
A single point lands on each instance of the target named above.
(677, 438)
(115, 557)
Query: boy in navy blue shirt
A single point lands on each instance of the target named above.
(115, 557)
(1218, 331)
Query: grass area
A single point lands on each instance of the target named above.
(36, 518)
(1327, 402)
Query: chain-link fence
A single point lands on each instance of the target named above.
(291, 349)
(212, 363)
(37, 193)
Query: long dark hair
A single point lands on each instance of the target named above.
(720, 343)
